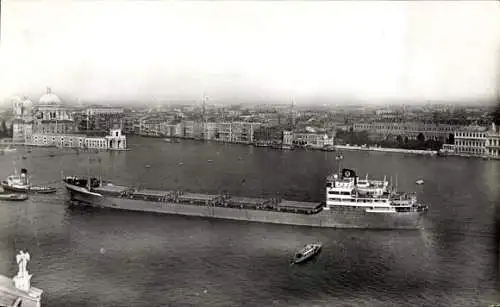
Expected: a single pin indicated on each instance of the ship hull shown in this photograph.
(39, 190)
(353, 218)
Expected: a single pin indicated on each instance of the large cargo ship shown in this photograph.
(350, 203)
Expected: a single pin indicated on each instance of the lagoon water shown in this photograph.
(109, 258)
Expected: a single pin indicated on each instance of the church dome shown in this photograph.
(49, 98)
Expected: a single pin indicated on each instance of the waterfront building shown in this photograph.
(22, 122)
(115, 140)
(268, 135)
(224, 132)
(48, 116)
(209, 131)
(493, 142)
(128, 124)
(150, 127)
(471, 140)
(391, 130)
(172, 130)
(243, 132)
(312, 139)
(287, 139)
(188, 129)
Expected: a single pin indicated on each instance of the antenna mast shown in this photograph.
(396, 182)
(88, 174)
(205, 118)
(339, 158)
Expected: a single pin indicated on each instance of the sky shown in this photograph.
(333, 51)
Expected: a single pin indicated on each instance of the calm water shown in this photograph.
(105, 258)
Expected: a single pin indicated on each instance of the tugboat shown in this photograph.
(307, 252)
(20, 183)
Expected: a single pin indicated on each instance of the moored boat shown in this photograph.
(20, 183)
(307, 252)
(13, 197)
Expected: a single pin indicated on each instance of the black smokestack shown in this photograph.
(348, 173)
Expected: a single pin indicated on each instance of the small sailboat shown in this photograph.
(307, 252)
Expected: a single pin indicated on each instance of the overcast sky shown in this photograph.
(334, 50)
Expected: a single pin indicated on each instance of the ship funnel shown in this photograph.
(348, 173)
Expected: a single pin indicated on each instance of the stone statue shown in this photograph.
(22, 260)
(22, 279)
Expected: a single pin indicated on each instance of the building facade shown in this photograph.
(115, 140)
(49, 116)
(492, 149)
(389, 130)
(312, 139)
(471, 140)
(268, 135)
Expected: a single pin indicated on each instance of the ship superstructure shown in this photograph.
(347, 191)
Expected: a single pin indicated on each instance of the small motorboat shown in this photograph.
(307, 252)
(419, 181)
(13, 197)
(167, 140)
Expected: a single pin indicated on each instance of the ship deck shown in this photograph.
(111, 188)
(200, 198)
(291, 204)
(248, 200)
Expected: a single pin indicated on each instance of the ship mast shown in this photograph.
(339, 158)
(396, 183)
(88, 174)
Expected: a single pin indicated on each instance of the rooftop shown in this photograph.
(8, 292)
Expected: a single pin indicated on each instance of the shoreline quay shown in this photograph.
(382, 149)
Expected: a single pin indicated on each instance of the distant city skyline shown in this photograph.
(309, 52)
